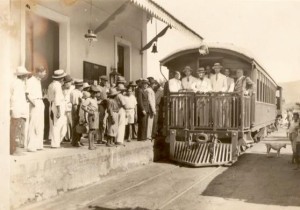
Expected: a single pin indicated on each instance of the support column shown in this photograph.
(5, 61)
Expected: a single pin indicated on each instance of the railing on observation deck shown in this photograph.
(188, 110)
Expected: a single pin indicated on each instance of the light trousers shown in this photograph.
(36, 126)
(122, 124)
(59, 129)
(149, 126)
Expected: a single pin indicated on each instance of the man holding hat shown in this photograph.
(76, 100)
(18, 109)
(36, 122)
(188, 80)
(218, 80)
(57, 104)
(202, 84)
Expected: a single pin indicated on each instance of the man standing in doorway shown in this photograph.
(36, 120)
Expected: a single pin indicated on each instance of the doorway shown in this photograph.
(123, 57)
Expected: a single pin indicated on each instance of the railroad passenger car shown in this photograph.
(215, 128)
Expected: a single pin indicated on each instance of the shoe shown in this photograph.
(100, 142)
(118, 143)
(109, 145)
(76, 145)
(31, 150)
(81, 144)
(128, 140)
(92, 148)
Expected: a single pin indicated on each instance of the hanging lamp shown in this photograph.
(90, 36)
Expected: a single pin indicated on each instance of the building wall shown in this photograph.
(128, 26)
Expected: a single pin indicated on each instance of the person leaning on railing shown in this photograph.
(243, 85)
(175, 83)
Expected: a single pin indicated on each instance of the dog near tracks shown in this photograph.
(275, 146)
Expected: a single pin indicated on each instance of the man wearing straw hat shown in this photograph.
(218, 80)
(57, 104)
(188, 80)
(202, 84)
(18, 110)
(36, 122)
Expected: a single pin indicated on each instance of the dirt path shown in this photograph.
(254, 182)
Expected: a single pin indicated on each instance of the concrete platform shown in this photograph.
(51, 172)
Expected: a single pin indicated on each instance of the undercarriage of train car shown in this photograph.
(207, 129)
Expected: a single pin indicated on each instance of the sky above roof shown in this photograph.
(270, 30)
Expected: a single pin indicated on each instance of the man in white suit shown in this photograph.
(218, 80)
(188, 80)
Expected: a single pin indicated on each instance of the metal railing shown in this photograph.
(188, 110)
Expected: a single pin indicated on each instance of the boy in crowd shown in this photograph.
(131, 113)
(91, 107)
(113, 113)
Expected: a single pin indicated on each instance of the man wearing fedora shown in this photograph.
(36, 120)
(57, 103)
(202, 84)
(143, 110)
(218, 80)
(18, 110)
(76, 99)
(188, 80)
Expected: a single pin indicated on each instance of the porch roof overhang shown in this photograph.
(161, 14)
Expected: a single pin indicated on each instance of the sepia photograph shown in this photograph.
(150, 104)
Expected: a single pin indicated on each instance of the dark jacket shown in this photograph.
(142, 101)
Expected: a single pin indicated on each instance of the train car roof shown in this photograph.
(217, 47)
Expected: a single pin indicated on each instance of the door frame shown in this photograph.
(64, 32)
(127, 56)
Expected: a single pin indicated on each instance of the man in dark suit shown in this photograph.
(143, 110)
(243, 84)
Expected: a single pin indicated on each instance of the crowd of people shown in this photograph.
(211, 80)
(106, 114)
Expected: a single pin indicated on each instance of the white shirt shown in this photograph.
(218, 82)
(230, 84)
(151, 99)
(34, 88)
(67, 95)
(55, 93)
(203, 85)
(130, 102)
(174, 85)
(18, 102)
(188, 81)
(75, 96)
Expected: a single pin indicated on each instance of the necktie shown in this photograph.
(188, 79)
(216, 76)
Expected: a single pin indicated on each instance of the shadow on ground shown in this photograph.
(259, 179)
